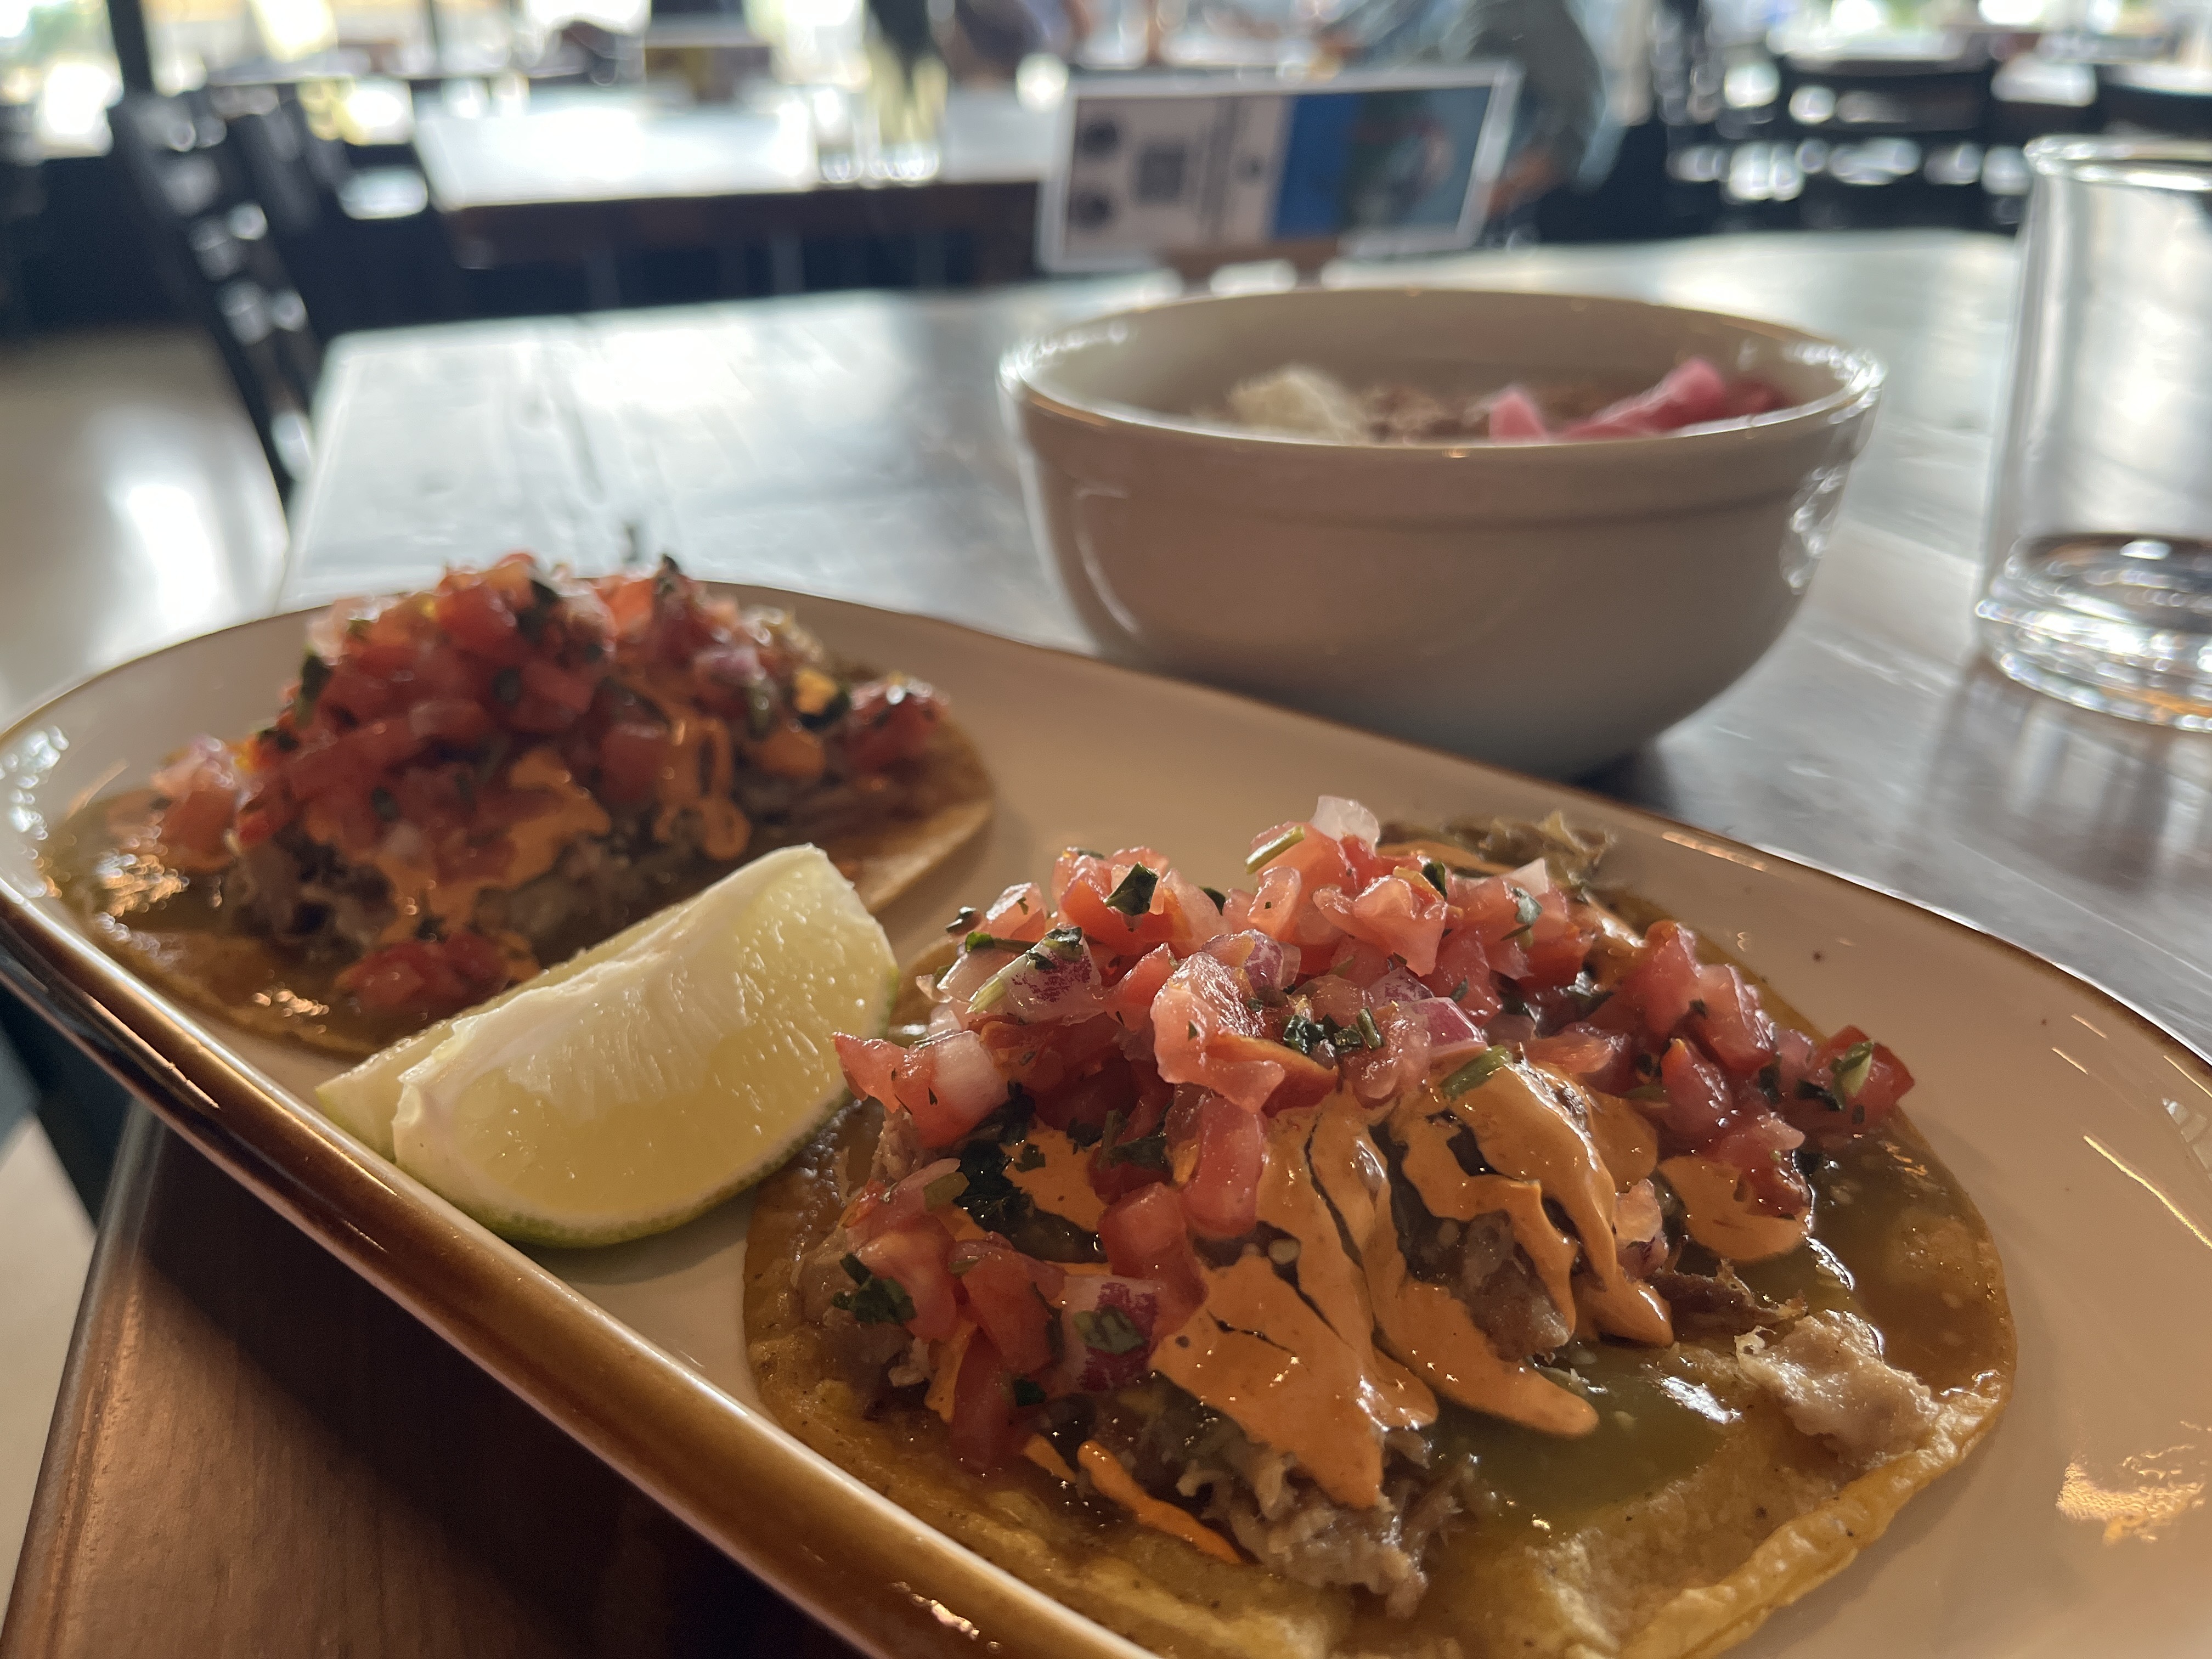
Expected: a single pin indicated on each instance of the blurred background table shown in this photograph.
(255, 1453)
(579, 179)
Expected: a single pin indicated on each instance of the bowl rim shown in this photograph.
(1860, 376)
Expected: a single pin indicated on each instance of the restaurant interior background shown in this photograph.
(362, 164)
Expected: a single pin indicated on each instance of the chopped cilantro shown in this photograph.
(817, 700)
(1477, 1071)
(1031, 1157)
(1301, 1034)
(1368, 1036)
(1275, 849)
(1081, 1135)
(1149, 1151)
(1849, 1069)
(1132, 895)
(1525, 908)
(830, 713)
(1026, 1393)
(873, 1299)
(1109, 1330)
(531, 618)
(990, 1196)
(1809, 1090)
(1058, 948)
(1435, 874)
(314, 675)
(943, 1190)
(1219, 897)
(760, 711)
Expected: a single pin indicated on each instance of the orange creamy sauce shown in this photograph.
(1881, 1210)
(569, 813)
(1326, 1368)
(1299, 1367)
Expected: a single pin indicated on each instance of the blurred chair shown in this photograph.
(359, 241)
(80, 1107)
(2031, 96)
(210, 237)
(1687, 72)
(608, 59)
(22, 198)
(1885, 141)
(2172, 100)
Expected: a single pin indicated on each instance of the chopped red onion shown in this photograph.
(1265, 962)
(966, 1082)
(1335, 815)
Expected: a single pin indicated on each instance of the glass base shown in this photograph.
(2060, 663)
(2122, 624)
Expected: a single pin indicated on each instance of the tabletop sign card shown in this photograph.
(1177, 169)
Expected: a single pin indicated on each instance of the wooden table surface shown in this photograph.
(585, 174)
(255, 1454)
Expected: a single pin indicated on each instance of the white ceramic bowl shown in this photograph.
(1547, 606)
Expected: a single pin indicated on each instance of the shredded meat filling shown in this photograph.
(1721, 1305)
(1311, 1541)
(1481, 1263)
(1501, 1289)
(1261, 1497)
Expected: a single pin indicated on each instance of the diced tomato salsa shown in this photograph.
(1163, 1026)
(425, 730)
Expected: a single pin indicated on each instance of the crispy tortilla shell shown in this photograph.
(945, 799)
(1687, 1568)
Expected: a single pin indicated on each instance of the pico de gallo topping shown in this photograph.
(462, 779)
(1210, 1203)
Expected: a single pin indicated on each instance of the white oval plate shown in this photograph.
(2083, 1132)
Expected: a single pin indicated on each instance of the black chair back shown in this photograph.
(22, 198)
(272, 142)
(1891, 140)
(210, 235)
(2163, 100)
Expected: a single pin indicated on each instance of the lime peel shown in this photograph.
(635, 1091)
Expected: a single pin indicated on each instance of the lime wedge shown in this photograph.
(642, 1088)
(362, 1101)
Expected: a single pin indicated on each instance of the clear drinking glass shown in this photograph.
(2097, 586)
(907, 88)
